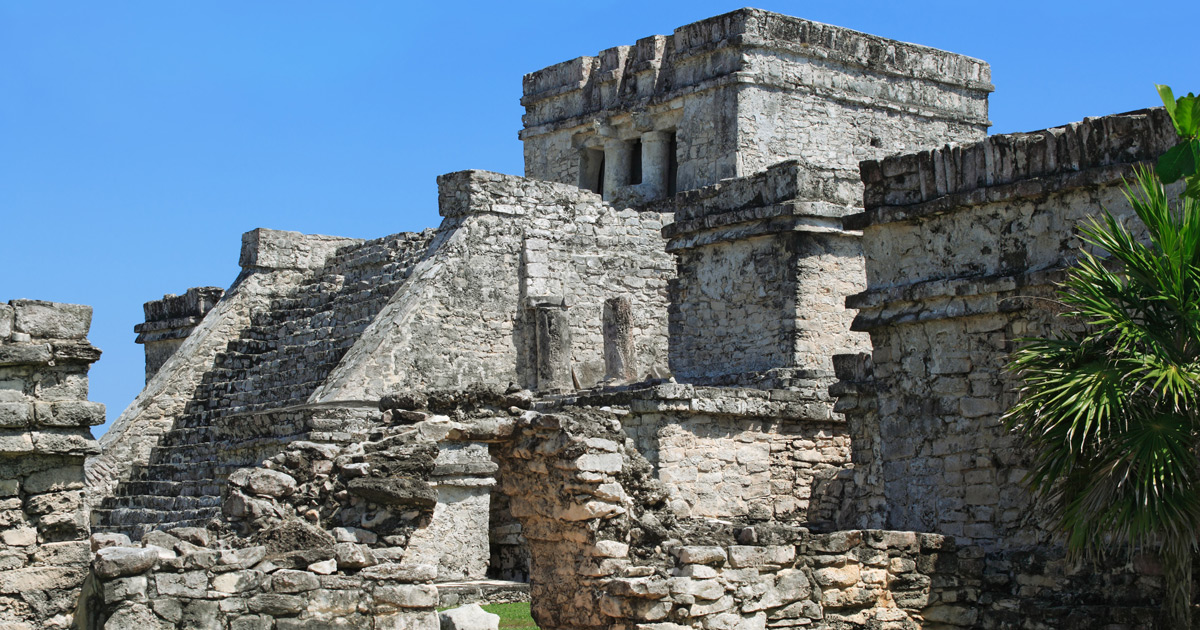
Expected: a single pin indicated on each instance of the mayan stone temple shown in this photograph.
(730, 356)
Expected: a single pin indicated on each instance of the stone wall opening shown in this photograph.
(635, 162)
(591, 170)
(672, 163)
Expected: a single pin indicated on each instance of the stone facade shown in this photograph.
(699, 369)
(763, 268)
(963, 246)
(734, 94)
(186, 585)
(45, 434)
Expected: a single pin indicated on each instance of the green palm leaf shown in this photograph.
(1110, 411)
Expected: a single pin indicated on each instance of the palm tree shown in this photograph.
(1110, 408)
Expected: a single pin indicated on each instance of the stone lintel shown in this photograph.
(788, 196)
(950, 298)
(48, 353)
(177, 328)
(797, 404)
(781, 182)
(744, 224)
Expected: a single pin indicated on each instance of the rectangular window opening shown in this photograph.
(672, 166)
(591, 170)
(635, 162)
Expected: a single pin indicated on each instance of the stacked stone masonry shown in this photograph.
(45, 434)
(963, 247)
(734, 94)
(699, 369)
(170, 320)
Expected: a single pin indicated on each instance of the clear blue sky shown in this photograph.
(138, 140)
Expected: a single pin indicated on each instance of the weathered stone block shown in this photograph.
(70, 413)
(287, 581)
(252, 622)
(55, 480)
(400, 573)
(742, 556)
(132, 615)
(202, 614)
(53, 320)
(646, 587)
(237, 581)
(407, 595)
(277, 604)
(6, 321)
(399, 491)
(469, 617)
(353, 556)
(19, 537)
(700, 589)
(296, 535)
(125, 588)
(113, 562)
(243, 558)
(702, 555)
(190, 584)
(407, 621)
(15, 414)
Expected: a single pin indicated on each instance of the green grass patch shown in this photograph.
(514, 616)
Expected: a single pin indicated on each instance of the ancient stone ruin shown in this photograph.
(730, 356)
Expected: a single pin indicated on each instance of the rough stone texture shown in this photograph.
(201, 588)
(737, 452)
(620, 355)
(170, 320)
(469, 617)
(963, 245)
(763, 270)
(506, 245)
(268, 344)
(45, 434)
(610, 548)
(355, 420)
(739, 92)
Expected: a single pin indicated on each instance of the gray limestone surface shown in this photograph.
(729, 357)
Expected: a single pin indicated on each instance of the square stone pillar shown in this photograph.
(656, 163)
(616, 167)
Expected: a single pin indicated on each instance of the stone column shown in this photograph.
(616, 167)
(656, 160)
(553, 339)
(45, 435)
(620, 360)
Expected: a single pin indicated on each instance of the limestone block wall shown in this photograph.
(753, 454)
(607, 551)
(763, 270)
(963, 245)
(741, 91)
(170, 320)
(190, 586)
(506, 245)
(45, 434)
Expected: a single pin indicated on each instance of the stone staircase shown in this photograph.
(244, 409)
